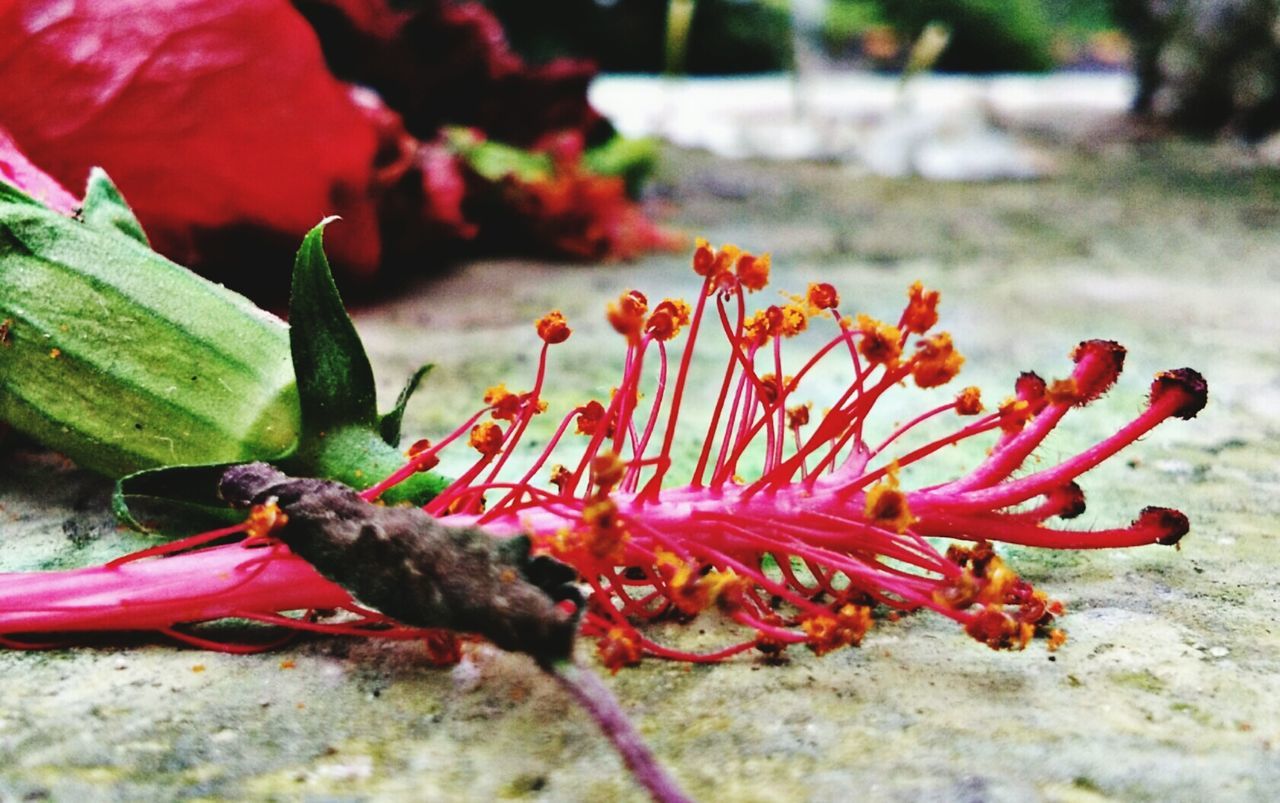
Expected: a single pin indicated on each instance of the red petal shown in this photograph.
(18, 170)
(206, 113)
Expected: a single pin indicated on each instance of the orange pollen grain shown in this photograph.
(827, 632)
(265, 519)
(607, 470)
(922, 309)
(560, 477)
(1056, 639)
(798, 416)
(552, 328)
(770, 388)
(756, 329)
(686, 590)
(887, 504)
(725, 258)
(1063, 391)
(486, 438)
(590, 417)
(1014, 414)
(627, 314)
(704, 258)
(618, 648)
(880, 342)
(822, 295)
(969, 401)
(753, 271)
(421, 447)
(794, 321)
(936, 361)
(505, 404)
(667, 319)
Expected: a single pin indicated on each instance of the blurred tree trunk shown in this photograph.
(1206, 67)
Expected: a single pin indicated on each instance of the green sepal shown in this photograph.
(173, 500)
(172, 370)
(183, 499)
(335, 380)
(389, 426)
(9, 194)
(105, 208)
(359, 457)
(342, 437)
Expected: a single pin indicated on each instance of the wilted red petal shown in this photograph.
(449, 62)
(444, 187)
(572, 212)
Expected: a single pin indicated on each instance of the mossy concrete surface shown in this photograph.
(1167, 688)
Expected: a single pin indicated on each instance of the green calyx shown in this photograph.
(135, 367)
(123, 360)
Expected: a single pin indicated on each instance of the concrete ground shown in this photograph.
(1166, 690)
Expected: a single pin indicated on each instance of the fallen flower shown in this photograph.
(821, 539)
(444, 62)
(225, 125)
(561, 207)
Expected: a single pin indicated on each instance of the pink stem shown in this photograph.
(160, 593)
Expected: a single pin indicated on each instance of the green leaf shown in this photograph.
(105, 208)
(495, 161)
(173, 499)
(632, 159)
(335, 380)
(389, 427)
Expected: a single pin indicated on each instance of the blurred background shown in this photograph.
(442, 130)
(729, 37)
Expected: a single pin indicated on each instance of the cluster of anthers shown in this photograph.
(822, 538)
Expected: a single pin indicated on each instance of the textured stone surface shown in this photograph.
(1166, 690)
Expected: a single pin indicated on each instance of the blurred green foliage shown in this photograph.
(986, 35)
(725, 37)
(1080, 16)
(745, 36)
(848, 20)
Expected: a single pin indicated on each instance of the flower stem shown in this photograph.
(586, 687)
